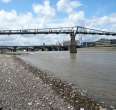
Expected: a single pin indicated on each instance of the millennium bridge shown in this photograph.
(72, 31)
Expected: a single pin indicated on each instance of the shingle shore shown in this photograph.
(24, 87)
(21, 90)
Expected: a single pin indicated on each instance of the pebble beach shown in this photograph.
(23, 87)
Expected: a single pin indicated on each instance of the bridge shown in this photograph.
(72, 31)
(3, 49)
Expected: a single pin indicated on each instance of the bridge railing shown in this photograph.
(88, 31)
(60, 30)
(39, 31)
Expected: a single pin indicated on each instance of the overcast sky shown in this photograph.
(18, 14)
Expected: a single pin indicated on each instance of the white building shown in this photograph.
(67, 43)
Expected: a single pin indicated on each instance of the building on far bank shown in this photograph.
(88, 44)
(100, 43)
(67, 43)
(103, 43)
(106, 43)
(113, 42)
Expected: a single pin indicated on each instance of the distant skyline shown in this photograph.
(15, 14)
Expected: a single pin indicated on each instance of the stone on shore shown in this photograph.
(21, 90)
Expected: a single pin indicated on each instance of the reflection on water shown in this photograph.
(73, 56)
(90, 69)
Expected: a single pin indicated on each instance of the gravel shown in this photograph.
(24, 87)
(21, 90)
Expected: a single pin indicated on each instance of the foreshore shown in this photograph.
(24, 87)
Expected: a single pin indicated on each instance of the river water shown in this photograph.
(91, 69)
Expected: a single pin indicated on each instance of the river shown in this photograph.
(91, 69)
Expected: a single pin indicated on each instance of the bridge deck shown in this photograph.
(61, 30)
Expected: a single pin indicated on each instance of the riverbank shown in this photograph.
(24, 87)
(101, 49)
(21, 90)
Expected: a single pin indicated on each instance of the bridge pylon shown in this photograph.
(73, 48)
(15, 49)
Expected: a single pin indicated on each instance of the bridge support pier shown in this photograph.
(15, 49)
(73, 48)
